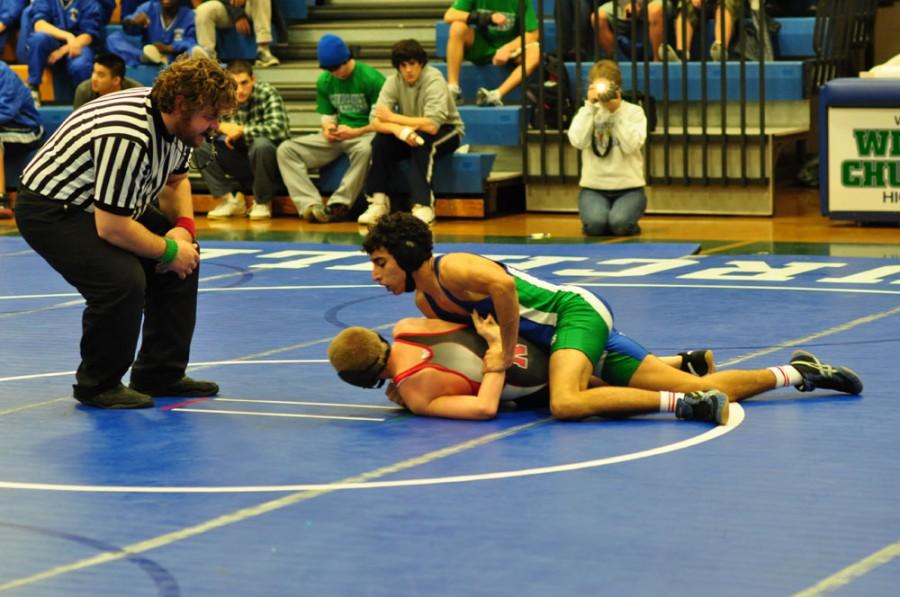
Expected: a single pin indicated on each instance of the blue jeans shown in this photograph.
(613, 213)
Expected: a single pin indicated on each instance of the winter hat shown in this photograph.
(332, 51)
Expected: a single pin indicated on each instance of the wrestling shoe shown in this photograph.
(698, 362)
(709, 405)
(333, 212)
(118, 397)
(817, 374)
(184, 387)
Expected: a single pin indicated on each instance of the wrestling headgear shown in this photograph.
(359, 355)
(406, 237)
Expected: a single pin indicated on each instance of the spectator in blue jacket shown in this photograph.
(63, 35)
(10, 11)
(19, 123)
(165, 29)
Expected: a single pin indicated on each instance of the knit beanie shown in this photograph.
(332, 51)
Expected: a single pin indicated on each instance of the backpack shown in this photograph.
(558, 108)
(751, 44)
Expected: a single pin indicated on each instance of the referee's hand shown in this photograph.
(186, 260)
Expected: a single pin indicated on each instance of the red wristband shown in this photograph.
(187, 224)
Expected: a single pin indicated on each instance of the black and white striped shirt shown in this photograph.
(113, 153)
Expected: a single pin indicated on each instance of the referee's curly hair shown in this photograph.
(200, 81)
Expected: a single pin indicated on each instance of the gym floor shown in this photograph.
(291, 482)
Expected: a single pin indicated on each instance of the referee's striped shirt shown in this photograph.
(113, 153)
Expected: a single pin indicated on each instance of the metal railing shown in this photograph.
(841, 27)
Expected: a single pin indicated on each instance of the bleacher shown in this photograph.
(494, 136)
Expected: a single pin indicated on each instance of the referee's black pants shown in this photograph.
(388, 151)
(121, 291)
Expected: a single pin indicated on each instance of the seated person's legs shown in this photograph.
(260, 12)
(602, 24)
(210, 16)
(295, 158)
(266, 177)
(460, 40)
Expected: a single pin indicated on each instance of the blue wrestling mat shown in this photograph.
(294, 483)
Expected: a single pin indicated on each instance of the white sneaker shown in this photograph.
(265, 59)
(198, 52)
(152, 55)
(231, 206)
(379, 206)
(424, 213)
(488, 97)
(456, 93)
(715, 51)
(260, 211)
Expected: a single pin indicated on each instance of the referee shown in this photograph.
(107, 203)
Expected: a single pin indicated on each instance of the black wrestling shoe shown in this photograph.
(698, 362)
(184, 387)
(117, 397)
(817, 374)
(710, 405)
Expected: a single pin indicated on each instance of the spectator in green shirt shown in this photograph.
(487, 31)
(245, 148)
(345, 93)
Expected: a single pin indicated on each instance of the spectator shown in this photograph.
(108, 76)
(246, 146)
(623, 14)
(492, 38)
(165, 29)
(246, 16)
(415, 117)
(62, 35)
(689, 17)
(10, 11)
(610, 133)
(106, 9)
(20, 123)
(573, 21)
(345, 94)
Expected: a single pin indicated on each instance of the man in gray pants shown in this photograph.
(345, 93)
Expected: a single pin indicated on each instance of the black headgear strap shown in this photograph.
(369, 376)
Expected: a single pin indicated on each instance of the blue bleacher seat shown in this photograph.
(491, 126)
(454, 174)
(17, 156)
(231, 45)
(784, 79)
(295, 10)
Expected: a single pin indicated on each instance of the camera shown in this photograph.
(606, 90)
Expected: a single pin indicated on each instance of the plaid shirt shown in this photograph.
(263, 115)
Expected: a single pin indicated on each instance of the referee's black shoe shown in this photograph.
(117, 397)
(184, 387)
